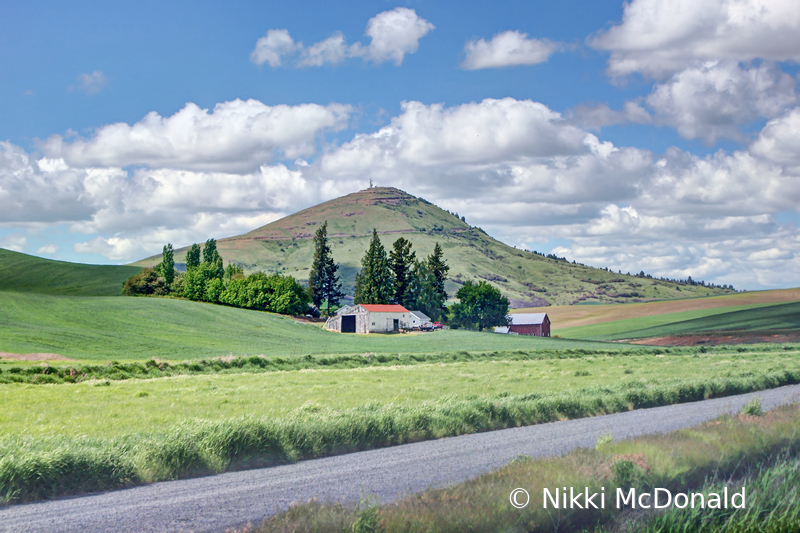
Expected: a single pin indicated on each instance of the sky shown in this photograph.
(655, 135)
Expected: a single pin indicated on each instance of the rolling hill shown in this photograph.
(527, 279)
(26, 273)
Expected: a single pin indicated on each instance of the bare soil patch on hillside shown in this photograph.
(712, 339)
(34, 356)
(567, 316)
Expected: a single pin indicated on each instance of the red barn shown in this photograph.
(537, 324)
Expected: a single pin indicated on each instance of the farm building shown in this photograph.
(369, 318)
(536, 324)
(419, 320)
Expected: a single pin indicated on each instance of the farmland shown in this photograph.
(765, 318)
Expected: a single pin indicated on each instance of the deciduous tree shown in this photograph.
(480, 305)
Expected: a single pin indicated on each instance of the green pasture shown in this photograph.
(126, 329)
(26, 273)
(741, 318)
(113, 408)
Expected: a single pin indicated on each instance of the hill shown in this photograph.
(527, 279)
(26, 273)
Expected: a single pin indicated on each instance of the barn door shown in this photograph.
(348, 323)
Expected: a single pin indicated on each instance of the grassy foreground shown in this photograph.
(115, 408)
(43, 466)
(759, 452)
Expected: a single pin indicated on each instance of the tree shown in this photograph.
(208, 251)
(374, 281)
(193, 257)
(145, 283)
(323, 282)
(422, 294)
(233, 271)
(401, 263)
(439, 269)
(479, 305)
(167, 267)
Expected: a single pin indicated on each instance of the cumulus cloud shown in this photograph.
(507, 49)
(709, 101)
(332, 50)
(712, 100)
(14, 241)
(393, 34)
(237, 136)
(779, 141)
(90, 84)
(657, 38)
(48, 249)
(599, 116)
(272, 47)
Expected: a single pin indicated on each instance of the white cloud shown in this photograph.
(490, 131)
(658, 37)
(48, 249)
(712, 100)
(506, 49)
(14, 241)
(90, 83)
(779, 141)
(709, 101)
(272, 47)
(332, 50)
(236, 136)
(599, 116)
(393, 34)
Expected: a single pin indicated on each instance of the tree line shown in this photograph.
(207, 280)
(397, 277)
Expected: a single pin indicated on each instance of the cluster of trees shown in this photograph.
(480, 306)
(209, 281)
(400, 278)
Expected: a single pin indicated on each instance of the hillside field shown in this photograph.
(763, 319)
(527, 279)
(26, 273)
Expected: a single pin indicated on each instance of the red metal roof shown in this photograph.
(384, 308)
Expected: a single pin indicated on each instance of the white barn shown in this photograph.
(370, 318)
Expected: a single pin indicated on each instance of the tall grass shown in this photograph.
(758, 451)
(35, 468)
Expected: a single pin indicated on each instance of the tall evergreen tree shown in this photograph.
(422, 294)
(323, 282)
(168, 264)
(401, 263)
(208, 251)
(439, 269)
(374, 281)
(193, 257)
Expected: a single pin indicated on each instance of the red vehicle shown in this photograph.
(437, 325)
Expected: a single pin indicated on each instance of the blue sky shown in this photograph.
(657, 136)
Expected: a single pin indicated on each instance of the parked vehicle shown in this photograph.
(437, 325)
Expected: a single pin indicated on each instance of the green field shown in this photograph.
(109, 409)
(126, 329)
(26, 273)
(778, 318)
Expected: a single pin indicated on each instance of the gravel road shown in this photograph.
(215, 503)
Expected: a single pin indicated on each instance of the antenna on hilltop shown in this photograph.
(370, 183)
